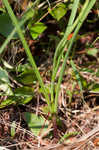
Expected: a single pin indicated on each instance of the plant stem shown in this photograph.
(23, 20)
(54, 122)
(61, 45)
(87, 6)
(27, 50)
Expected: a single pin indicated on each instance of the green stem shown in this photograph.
(23, 20)
(27, 50)
(61, 46)
(69, 29)
(88, 5)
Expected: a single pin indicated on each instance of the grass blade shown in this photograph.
(77, 77)
(27, 50)
(61, 45)
(23, 20)
(88, 5)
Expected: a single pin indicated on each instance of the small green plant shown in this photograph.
(74, 25)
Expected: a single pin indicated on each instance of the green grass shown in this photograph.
(74, 25)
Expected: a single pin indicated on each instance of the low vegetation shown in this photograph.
(49, 86)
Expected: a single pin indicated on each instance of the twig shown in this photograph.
(85, 138)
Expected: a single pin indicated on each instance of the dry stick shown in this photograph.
(17, 126)
(85, 138)
(89, 134)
